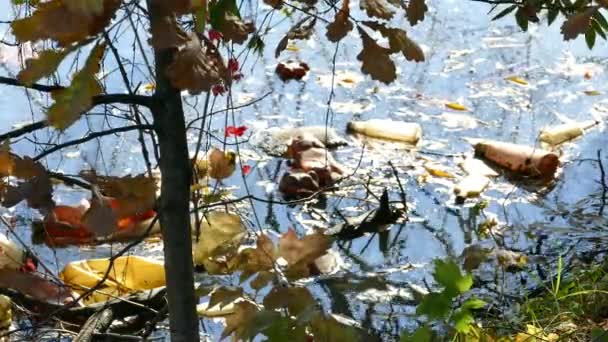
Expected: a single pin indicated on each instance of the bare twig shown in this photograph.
(602, 181)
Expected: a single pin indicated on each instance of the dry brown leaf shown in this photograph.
(234, 29)
(217, 165)
(133, 194)
(415, 11)
(341, 25)
(276, 4)
(398, 41)
(241, 321)
(166, 33)
(65, 21)
(295, 299)
(100, 218)
(258, 259)
(377, 8)
(6, 161)
(376, 60)
(197, 67)
(225, 295)
(577, 24)
(302, 253)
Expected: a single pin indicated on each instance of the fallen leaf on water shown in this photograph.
(437, 170)
(456, 106)
(516, 79)
(592, 92)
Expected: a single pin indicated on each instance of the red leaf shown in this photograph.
(246, 169)
(233, 65)
(236, 131)
(215, 35)
(218, 89)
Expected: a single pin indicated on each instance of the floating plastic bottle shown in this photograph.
(522, 159)
(562, 133)
(470, 186)
(408, 132)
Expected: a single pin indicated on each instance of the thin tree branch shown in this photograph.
(132, 99)
(90, 137)
(24, 130)
(603, 182)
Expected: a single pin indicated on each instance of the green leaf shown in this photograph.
(552, 15)
(600, 19)
(462, 321)
(599, 335)
(504, 12)
(522, 19)
(256, 44)
(435, 305)
(598, 29)
(422, 334)
(219, 10)
(473, 304)
(447, 273)
(590, 37)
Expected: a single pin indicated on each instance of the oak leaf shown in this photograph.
(415, 11)
(197, 67)
(376, 60)
(377, 8)
(42, 66)
(577, 24)
(398, 41)
(341, 25)
(76, 99)
(65, 21)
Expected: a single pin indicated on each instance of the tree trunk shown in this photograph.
(174, 214)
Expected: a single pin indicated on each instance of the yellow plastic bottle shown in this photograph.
(408, 132)
(565, 132)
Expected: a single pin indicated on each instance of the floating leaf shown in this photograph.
(291, 70)
(375, 60)
(65, 21)
(415, 11)
(398, 41)
(577, 23)
(42, 66)
(341, 25)
(437, 170)
(456, 106)
(592, 93)
(377, 8)
(76, 99)
(516, 79)
(197, 67)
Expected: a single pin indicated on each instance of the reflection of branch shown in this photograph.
(133, 99)
(90, 137)
(603, 181)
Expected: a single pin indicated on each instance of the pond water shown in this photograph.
(468, 58)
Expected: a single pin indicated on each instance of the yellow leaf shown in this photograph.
(44, 65)
(76, 99)
(455, 106)
(592, 92)
(220, 235)
(292, 48)
(150, 87)
(437, 170)
(517, 80)
(217, 165)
